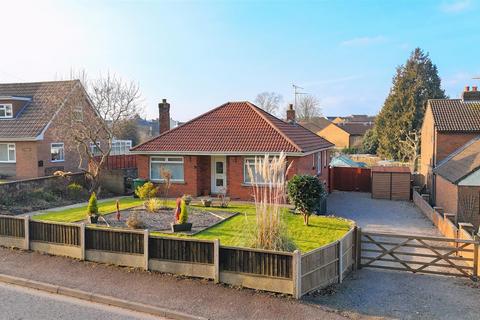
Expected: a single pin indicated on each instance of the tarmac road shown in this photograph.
(23, 303)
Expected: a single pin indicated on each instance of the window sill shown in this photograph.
(172, 182)
(57, 161)
(8, 161)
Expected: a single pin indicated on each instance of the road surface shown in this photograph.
(29, 304)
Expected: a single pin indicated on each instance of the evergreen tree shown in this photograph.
(370, 141)
(404, 108)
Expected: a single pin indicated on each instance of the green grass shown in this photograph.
(322, 230)
(80, 213)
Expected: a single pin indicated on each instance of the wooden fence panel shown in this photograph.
(348, 252)
(114, 241)
(258, 262)
(181, 250)
(319, 268)
(12, 227)
(55, 233)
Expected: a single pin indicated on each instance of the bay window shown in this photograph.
(7, 152)
(173, 164)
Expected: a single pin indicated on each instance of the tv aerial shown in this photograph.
(296, 93)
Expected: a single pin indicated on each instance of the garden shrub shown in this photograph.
(183, 212)
(305, 193)
(152, 205)
(147, 191)
(75, 191)
(92, 208)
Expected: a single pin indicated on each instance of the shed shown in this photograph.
(391, 183)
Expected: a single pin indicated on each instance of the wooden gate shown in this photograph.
(350, 179)
(419, 254)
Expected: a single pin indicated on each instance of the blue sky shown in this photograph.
(200, 54)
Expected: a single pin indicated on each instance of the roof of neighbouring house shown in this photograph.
(44, 99)
(345, 161)
(456, 115)
(461, 163)
(235, 127)
(315, 124)
(357, 129)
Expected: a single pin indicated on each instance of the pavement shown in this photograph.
(28, 304)
(196, 297)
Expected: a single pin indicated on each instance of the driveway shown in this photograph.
(391, 294)
(380, 215)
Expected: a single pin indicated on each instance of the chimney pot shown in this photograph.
(164, 116)
(290, 114)
(474, 88)
(467, 88)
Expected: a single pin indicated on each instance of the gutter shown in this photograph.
(226, 153)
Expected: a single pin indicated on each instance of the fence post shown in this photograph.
(27, 233)
(216, 260)
(82, 241)
(358, 244)
(340, 261)
(297, 274)
(475, 259)
(146, 236)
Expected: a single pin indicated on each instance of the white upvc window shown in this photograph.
(7, 152)
(250, 162)
(57, 152)
(319, 162)
(120, 147)
(173, 164)
(78, 113)
(6, 111)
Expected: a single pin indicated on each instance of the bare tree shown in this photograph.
(92, 132)
(411, 148)
(269, 101)
(307, 108)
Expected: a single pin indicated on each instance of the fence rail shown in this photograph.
(114, 241)
(12, 226)
(181, 250)
(55, 233)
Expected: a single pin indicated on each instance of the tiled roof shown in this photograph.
(316, 124)
(236, 127)
(460, 163)
(456, 115)
(355, 128)
(46, 98)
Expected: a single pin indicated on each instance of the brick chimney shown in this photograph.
(290, 114)
(164, 116)
(471, 95)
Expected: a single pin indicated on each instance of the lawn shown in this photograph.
(322, 230)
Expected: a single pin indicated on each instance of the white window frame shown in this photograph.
(10, 146)
(167, 160)
(325, 162)
(319, 162)
(78, 113)
(51, 149)
(245, 172)
(8, 108)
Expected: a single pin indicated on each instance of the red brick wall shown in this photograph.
(449, 142)
(26, 160)
(446, 195)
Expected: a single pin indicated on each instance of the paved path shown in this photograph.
(380, 215)
(26, 304)
(191, 296)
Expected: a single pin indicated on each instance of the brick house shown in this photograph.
(457, 183)
(447, 126)
(345, 134)
(31, 143)
(212, 151)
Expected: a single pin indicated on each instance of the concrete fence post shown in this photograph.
(27, 233)
(82, 241)
(358, 244)
(146, 236)
(216, 260)
(340, 262)
(297, 274)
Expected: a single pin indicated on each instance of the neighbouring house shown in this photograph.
(315, 124)
(213, 151)
(345, 134)
(457, 183)
(342, 160)
(448, 125)
(357, 118)
(147, 129)
(30, 143)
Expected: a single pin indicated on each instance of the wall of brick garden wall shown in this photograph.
(446, 194)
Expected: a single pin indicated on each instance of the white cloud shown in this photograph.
(364, 41)
(455, 6)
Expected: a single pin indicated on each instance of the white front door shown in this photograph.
(219, 174)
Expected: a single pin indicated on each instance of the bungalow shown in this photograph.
(345, 134)
(212, 152)
(457, 183)
(32, 143)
